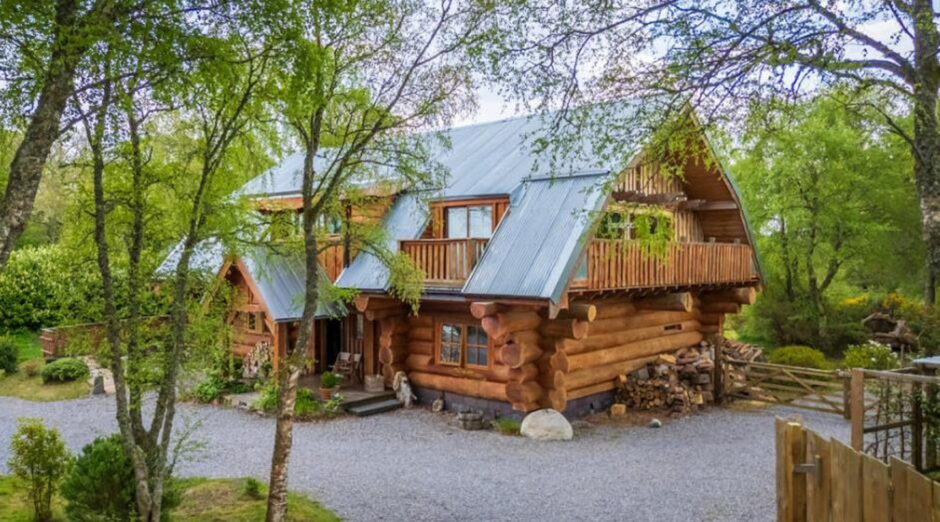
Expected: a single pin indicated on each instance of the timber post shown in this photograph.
(858, 408)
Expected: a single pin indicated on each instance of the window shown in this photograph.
(332, 225)
(618, 225)
(463, 345)
(252, 321)
(473, 221)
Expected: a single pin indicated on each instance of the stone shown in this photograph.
(655, 423)
(437, 406)
(97, 386)
(618, 410)
(547, 424)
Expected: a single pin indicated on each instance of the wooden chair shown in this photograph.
(347, 364)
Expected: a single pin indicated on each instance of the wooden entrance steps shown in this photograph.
(373, 405)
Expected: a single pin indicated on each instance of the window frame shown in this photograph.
(464, 326)
(466, 210)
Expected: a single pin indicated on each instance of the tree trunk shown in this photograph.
(43, 128)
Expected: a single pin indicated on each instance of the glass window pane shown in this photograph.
(471, 355)
(481, 356)
(481, 221)
(457, 222)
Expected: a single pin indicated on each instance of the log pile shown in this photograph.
(734, 372)
(680, 382)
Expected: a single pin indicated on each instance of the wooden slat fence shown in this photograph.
(446, 262)
(618, 264)
(807, 388)
(821, 479)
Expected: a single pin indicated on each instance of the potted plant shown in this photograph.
(329, 382)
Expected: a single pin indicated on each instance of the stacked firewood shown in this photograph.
(734, 370)
(680, 382)
(739, 351)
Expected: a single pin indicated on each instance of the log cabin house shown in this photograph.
(527, 304)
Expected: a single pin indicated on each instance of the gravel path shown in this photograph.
(413, 465)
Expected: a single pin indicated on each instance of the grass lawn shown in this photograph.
(203, 500)
(23, 386)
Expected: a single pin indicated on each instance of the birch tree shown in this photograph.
(362, 78)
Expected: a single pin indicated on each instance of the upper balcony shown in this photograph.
(446, 262)
(624, 265)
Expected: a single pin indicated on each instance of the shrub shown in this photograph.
(799, 356)
(64, 370)
(306, 404)
(507, 426)
(8, 355)
(101, 486)
(252, 489)
(330, 380)
(32, 368)
(871, 356)
(209, 389)
(40, 459)
(267, 398)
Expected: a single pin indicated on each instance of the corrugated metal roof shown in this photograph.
(280, 278)
(208, 256)
(405, 220)
(535, 247)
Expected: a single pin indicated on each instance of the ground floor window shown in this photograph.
(461, 344)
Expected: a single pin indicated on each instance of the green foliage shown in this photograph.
(330, 380)
(100, 485)
(209, 389)
(252, 488)
(64, 370)
(507, 426)
(803, 356)
(267, 398)
(307, 405)
(9, 355)
(871, 356)
(32, 367)
(39, 459)
(923, 321)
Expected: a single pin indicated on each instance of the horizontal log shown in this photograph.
(471, 387)
(525, 407)
(417, 361)
(721, 307)
(421, 347)
(422, 333)
(550, 344)
(415, 321)
(480, 310)
(515, 355)
(523, 391)
(581, 311)
(611, 310)
(389, 356)
(601, 341)
(678, 301)
(710, 329)
(502, 324)
(393, 341)
(384, 313)
(745, 295)
(526, 372)
(598, 374)
(632, 350)
(710, 318)
(556, 399)
(565, 328)
(587, 391)
(640, 320)
(523, 337)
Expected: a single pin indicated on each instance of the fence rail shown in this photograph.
(617, 264)
(823, 479)
(818, 390)
(446, 262)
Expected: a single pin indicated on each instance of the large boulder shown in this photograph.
(546, 424)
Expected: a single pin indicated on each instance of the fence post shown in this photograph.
(846, 396)
(917, 428)
(858, 408)
(791, 486)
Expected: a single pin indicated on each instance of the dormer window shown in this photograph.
(470, 221)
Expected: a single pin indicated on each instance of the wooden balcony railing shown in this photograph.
(445, 262)
(612, 264)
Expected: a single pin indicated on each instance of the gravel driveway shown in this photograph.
(413, 465)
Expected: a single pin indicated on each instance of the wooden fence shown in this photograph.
(819, 479)
(895, 415)
(614, 264)
(807, 388)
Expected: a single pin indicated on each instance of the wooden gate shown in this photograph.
(819, 390)
(819, 479)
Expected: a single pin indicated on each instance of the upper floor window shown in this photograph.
(628, 225)
(470, 221)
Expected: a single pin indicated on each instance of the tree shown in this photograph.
(828, 196)
(45, 44)
(716, 54)
(39, 458)
(362, 77)
(200, 80)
